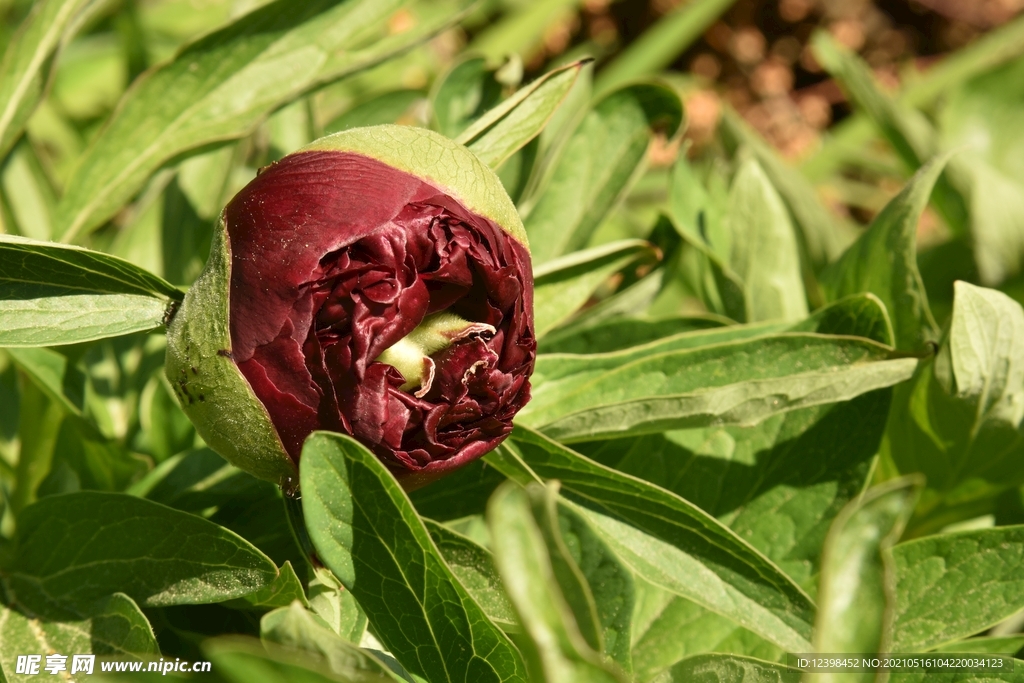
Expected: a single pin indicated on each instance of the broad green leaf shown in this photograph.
(621, 333)
(563, 285)
(463, 95)
(675, 545)
(855, 612)
(741, 382)
(764, 252)
(715, 668)
(823, 239)
(883, 261)
(25, 62)
(474, 568)
(597, 166)
(777, 484)
(282, 591)
(88, 545)
(244, 660)
(221, 86)
(597, 587)
(680, 628)
(113, 626)
(659, 45)
(952, 586)
(70, 319)
(557, 652)
(330, 601)
(499, 133)
(960, 421)
(297, 628)
(366, 531)
(31, 269)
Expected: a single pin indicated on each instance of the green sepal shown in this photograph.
(209, 385)
(438, 160)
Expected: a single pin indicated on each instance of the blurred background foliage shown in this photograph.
(821, 110)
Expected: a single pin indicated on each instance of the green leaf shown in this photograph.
(243, 660)
(297, 628)
(715, 668)
(777, 484)
(88, 545)
(563, 285)
(675, 545)
(70, 319)
(465, 492)
(857, 576)
(883, 261)
(743, 382)
(960, 421)
(680, 628)
(621, 333)
(330, 601)
(597, 166)
(282, 591)
(474, 567)
(31, 269)
(221, 86)
(499, 133)
(596, 585)
(997, 645)
(764, 252)
(953, 586)
(463, 95)
(821, 237)
(659, 45)
(26, 61)
(113, 626)
(557, 651)
(366, 530)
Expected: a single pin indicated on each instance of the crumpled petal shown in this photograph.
(335, 258)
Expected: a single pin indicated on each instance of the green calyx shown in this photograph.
(436, 159)
(411, 355)
(209, 386)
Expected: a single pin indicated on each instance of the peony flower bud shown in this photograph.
(376, 283)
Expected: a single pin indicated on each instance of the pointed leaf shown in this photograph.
(883, 261)
(599, 163)
(857, 577)
(952, 586)
(675, 545)
(558, 652)
(367, 532)
(506, 128)
(764, 249)
(743, 382)
(562, 286)
(87, 545)
(25, 61)
(221, 86)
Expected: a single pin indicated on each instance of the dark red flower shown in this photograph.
(369, 299)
